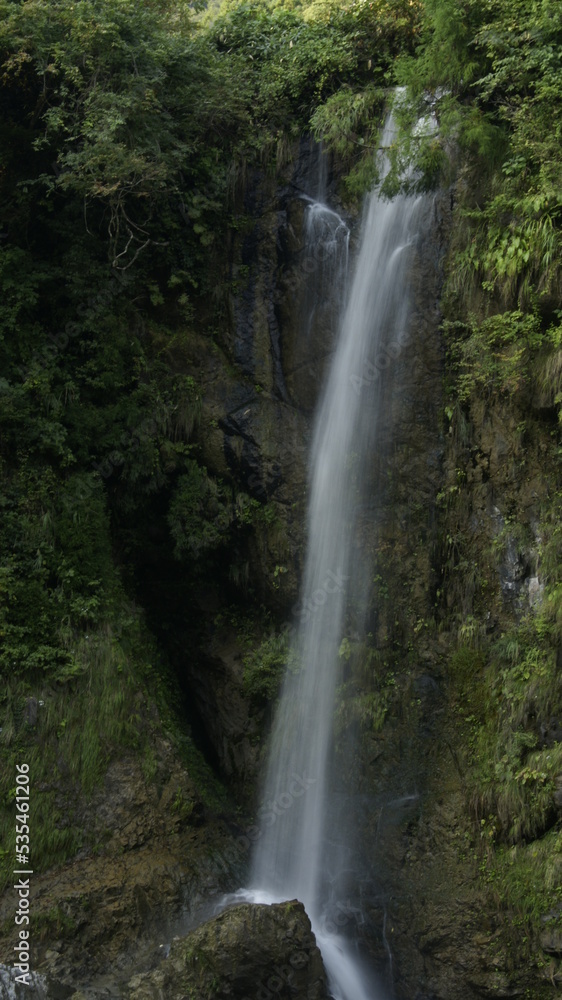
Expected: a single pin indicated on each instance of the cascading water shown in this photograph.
(327, 245)
(302, 847)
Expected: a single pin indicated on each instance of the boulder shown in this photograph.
(248, 952)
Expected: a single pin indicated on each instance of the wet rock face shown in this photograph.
(423, 895)
(277, 273)
(108, 913)
(248, 952)
(218, 687)
(100, 919)
(260, 388)
(259, 393)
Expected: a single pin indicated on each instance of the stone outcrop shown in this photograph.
(158, 856)
(248, 952)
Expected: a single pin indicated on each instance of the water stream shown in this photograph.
(304, 845)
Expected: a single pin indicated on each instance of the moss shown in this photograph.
(265, 666)
(526, 882)
(368, 690)
(55, 923)
(82, 725)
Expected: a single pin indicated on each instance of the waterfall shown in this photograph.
(327, 246)
(301, 843)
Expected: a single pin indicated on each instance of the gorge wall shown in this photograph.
(461, 487)
(463, 490)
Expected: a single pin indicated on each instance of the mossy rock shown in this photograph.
(248, 951)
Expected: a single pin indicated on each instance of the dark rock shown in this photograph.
(513, 570)
(248, 951)
(218, 690)
(550, 732)
(551, 941)
(426, 686)
(558, 792)
(30, 712)
(58, 991)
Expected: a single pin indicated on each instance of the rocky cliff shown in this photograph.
(462, 493)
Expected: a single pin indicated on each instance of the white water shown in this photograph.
(300, 847)
(35, 987)
(327, 247)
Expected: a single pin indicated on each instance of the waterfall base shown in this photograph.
(346, 978)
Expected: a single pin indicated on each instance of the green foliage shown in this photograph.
(501, 119)
(84, 713)
(465, 668)
(296, 57)
(514, 777)
(529, 879)
(55, 574)
(265, 666)
(126, 127)
(503, 341)
(366, 695)
(205, 513)
(302, 52)
(85, 718)
(507, 695)
(367, 710)
(105, 90)
(200, 512)
(289, 57)
(348, 123)
(495, 72)
(130, 129)
(446, 56)
(182, 806)
(494, 356)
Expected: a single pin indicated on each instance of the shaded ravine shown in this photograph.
(300, 852)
